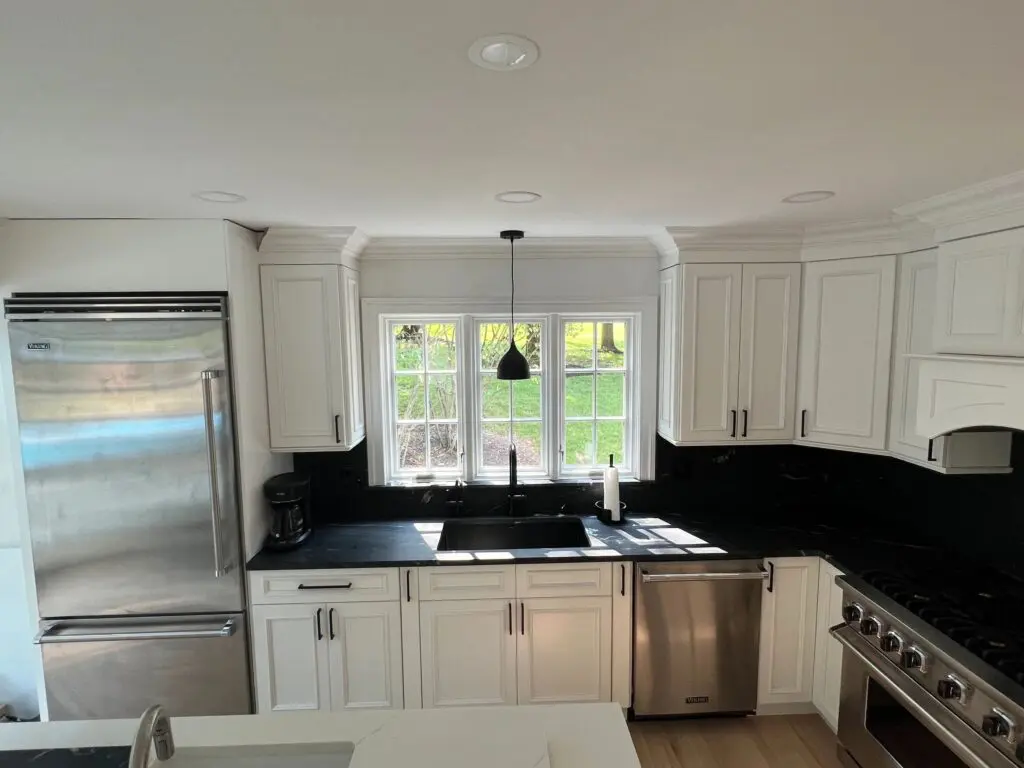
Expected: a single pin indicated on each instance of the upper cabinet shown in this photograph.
(312, 339)
(980, 295)
(845, 345)
(728, 352)
(960, 452)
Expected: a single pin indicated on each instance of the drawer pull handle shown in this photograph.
(326, 586)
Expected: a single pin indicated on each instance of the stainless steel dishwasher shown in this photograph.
(696, 638)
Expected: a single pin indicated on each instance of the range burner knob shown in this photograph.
(852, 612)
(950, 689)
(870, 626)
(911, 658)
(890, 642)
(997, 725)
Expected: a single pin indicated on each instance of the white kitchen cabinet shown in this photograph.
(728, 347)
(769, 327)
(845, 346)
(788, 621)
(326, 657)
(290, 659)
(980, 309)
(312, 344)
(468, 652)
(828, 653)
(974, 452)
(365, 653)
(564, 650)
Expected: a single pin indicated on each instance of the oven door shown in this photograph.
(888, 720)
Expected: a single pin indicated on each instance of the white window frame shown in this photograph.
(642, 315)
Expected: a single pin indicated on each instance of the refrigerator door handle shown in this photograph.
(207, 377)
(221, 628)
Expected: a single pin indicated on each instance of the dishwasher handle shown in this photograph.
(648, 578)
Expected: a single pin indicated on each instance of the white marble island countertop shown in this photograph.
(591, 735)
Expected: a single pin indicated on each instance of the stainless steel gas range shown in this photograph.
(932, 673)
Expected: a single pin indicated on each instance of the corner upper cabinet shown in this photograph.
(312, 341)
(845, 346)
(728, 352)
(980, 309)
(958, 453)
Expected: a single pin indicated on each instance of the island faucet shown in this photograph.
(513, 481)
(154, 728)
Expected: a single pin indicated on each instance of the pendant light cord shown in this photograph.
(512, 245)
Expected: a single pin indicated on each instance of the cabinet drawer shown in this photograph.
(467, 582)
(323, 586)
(564, 580)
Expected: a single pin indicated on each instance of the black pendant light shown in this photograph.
(513, 366)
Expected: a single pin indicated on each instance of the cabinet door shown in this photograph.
(788, 619)
(845, 343)
(352, 340)
(915, 320)
(303, 343)
(468, 652)
(668, 354)
(828, 653)
(365, 642)
(768, 346)
(710, 352)
(290, 658)
(980, 306)
(564, 650)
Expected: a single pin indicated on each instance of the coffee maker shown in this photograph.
(288, 497)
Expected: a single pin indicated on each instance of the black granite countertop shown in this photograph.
(91, 757)
(641, 538)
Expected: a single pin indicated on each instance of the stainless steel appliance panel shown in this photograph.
(110, 668)
(696, 639)
(888, 720)
(129, 465)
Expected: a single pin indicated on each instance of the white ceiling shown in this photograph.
(638, 114)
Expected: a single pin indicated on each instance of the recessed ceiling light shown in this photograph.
(811, 196)
(504, 52)
(517, 196)
(217, 196)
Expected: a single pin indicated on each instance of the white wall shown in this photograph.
(119, 255)
(537, 277)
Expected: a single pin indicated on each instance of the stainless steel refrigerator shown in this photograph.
(125, 420)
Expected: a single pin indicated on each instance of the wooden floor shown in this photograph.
(785, 741)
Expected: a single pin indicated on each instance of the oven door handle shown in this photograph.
(898, 689)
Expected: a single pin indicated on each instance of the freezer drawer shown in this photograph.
(696, 637)
(110, 668)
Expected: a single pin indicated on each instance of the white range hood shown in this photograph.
(958, 392)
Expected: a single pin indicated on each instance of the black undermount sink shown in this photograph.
(485, 533)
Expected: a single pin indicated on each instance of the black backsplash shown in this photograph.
(786, 485)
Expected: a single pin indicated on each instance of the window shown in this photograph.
(510, 411)
(440, 413)
(596, 395)
(425, 413)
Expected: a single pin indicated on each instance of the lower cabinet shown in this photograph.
(332, 656)
(468, 652)
(564, 650)
(828, 653)
(534, 651)
(788, 620)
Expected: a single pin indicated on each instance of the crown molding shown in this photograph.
(989, 206)
(320, 245)
(724, 244)
(412, 248)
(866, 237)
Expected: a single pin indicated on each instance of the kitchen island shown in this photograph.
(592, 735)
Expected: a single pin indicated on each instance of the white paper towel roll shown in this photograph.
(611, 489)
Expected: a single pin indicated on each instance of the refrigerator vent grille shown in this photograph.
(39, 306)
